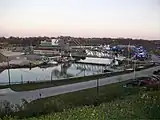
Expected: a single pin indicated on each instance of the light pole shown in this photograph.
(134, 70)
(97, 87)
(51, 76)
(21, 78)
(128, 52)
(9, 77)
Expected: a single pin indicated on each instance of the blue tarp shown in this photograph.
(140, 52)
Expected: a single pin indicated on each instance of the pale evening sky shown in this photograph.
(85, 18)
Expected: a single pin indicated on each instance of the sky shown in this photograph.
(81, 18)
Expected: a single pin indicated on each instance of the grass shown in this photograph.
(46, 84)
(143, 105)
(73, 100)
(156, 52)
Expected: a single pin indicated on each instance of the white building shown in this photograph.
(50, 42)
(46, 43)
(54, 42)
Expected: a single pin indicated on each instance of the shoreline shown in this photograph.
(29, 65)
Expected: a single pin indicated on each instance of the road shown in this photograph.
(15, 97)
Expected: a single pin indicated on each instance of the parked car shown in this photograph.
(136, 82)
(146, 81)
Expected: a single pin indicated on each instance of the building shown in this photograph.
(48, 47)
(49, 43)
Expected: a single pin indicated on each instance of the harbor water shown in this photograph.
(49, 73)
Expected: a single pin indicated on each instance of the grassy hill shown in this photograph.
(144, 105)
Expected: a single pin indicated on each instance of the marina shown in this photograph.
(56, 59)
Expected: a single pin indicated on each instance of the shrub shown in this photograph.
(6, 108)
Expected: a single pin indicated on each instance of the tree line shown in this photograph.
(35, 41)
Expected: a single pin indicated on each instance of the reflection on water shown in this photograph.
(62, 73)
(50, 73)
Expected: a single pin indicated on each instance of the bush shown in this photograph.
(38, 108)
(6, 108)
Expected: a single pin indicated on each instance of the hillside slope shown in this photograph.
(145, 105)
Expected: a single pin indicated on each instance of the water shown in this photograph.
(54, 73)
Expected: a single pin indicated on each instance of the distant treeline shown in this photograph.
(35, 41)
(18, 41)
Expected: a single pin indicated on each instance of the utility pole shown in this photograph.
(128, 52)
(21, 78)
(9, 77)
(134, 70)
(51, 76)
(97, 87)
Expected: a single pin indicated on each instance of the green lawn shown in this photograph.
(88, 97)
(141, 106)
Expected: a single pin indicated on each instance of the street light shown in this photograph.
(9, 78)
(51, 76)
(21, 78)
(128, 52)
(134, 70)
(97, 87)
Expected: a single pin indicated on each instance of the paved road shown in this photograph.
(16, 97)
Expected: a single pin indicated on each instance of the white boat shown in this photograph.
(52, 62)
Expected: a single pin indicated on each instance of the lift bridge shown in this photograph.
(92, 53)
